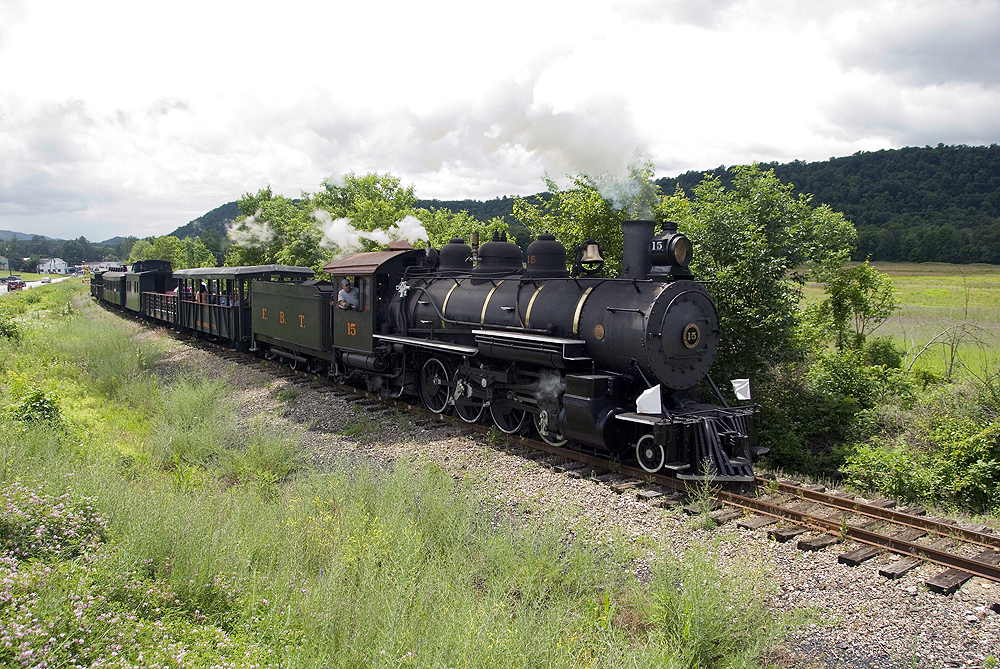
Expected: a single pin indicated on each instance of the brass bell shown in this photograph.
(592, 254)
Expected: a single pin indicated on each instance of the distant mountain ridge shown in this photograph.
(7, 235)
(216, 220)
(930, 204)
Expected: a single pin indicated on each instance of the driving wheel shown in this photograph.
(434, 388)
(508, 419)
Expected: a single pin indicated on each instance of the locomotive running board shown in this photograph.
(444, 346)
(559, 352)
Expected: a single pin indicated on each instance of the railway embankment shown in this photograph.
(207, 541)
(849, 616)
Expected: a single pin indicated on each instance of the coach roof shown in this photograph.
(256, 271)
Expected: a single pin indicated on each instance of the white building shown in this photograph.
(52, 266)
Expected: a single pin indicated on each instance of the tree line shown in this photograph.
(930, 204)
(24, 254)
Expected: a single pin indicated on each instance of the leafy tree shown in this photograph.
(124, 248)
(39, 246)
(860, 300)
(593, 207)
(13, 255)
(166, 248)
(575, 215)
(141, 250)
(72, 252)
(442, 225)
(216, 243)
(749, 241)
(274, 230)
(194, 253)
(371, 201)
(88, 250)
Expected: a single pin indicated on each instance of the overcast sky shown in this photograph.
(120, 117)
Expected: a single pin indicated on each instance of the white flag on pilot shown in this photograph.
(742, 388)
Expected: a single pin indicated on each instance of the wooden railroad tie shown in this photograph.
(818, 543)
(950, 580)
(756, 522)
(695, 509)
(725, 515)
(786, 532)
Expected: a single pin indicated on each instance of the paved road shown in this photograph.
(32, 284)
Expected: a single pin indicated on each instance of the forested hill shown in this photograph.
(918, 204)
(215, 221)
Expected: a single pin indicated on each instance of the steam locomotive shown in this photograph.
(607, 365)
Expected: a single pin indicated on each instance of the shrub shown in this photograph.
(195, 424)
(109, 352)
(811, 413)
(10, 327)
(947, 451)
(882, 352)
(36, 404)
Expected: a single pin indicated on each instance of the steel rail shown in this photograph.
(930, 553)
(887, 514)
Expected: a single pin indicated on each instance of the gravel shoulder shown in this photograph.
(854, 618)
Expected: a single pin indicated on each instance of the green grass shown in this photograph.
(175, 536)
(957, 304)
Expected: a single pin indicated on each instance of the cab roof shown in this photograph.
(370, 262)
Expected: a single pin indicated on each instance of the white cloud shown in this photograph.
(127, 118)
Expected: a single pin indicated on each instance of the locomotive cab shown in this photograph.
(353, 325)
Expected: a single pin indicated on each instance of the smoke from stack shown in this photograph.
(342, 237)
(250, 231)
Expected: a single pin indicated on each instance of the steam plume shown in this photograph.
(250, 231)
(341, 236)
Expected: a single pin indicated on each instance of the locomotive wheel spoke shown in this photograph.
(649, 454)
(434, 385)
(508, 419)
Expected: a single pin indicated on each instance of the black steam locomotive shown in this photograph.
(606, 365)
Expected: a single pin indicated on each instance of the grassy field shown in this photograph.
(954, 308)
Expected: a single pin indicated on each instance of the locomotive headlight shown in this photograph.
(681, 250)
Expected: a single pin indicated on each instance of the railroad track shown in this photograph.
(817, 519)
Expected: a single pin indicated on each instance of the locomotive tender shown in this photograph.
(609, 365)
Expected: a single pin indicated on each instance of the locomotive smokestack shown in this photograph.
(636, 236)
